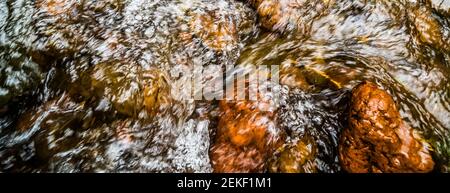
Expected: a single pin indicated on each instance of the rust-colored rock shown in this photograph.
(243, 124)
(378, 140)
(228, 158)
(246, 137)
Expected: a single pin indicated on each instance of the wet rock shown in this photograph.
(250, 126)
(19, 75)
(67, 136)
(308, 79)
(289, 15)
(227, 158)
(378, 140)
(67, 27)
(54, 7)
(158, 33)
(296, 157)
(429, 30)
(245, 139)
(135, 146)
(313, 119)
(247, 135)
(294, 78)
(216, 31)
(47, 130)
(126, 88)
(269, 12)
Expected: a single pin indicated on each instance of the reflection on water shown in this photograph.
(85, 85)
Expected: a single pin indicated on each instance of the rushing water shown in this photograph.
(85, 84)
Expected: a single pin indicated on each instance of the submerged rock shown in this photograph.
(289, 15)
(42, 132)
(67, 136)
(227, 158)
(216, 31)
(314, 119)
(428, 28)
(246, 138)
(296, 157)
(135, 146)
(126, 88)
(378, 140)
(19, 76)
(247, 135)
(116, 60)
(101, 72)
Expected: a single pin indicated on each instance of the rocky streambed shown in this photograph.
(98, 86)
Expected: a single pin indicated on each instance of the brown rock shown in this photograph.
(228, 158)
(243, 124)
(378, 140)
(127, 87)
(297, 157)
(52, 126)
(216, 32)
(246, 137)
(428, 28)
(289, 15)
(54, 7)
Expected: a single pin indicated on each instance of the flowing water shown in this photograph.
(86, 85)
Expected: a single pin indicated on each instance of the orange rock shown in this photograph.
(378, 140)
(246, 137)
(243, 124)
(227, 158)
